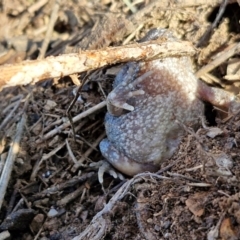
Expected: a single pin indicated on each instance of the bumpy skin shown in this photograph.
(147, 103)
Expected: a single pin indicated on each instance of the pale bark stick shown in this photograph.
(52, 67)
(12, 155)
(53, 19)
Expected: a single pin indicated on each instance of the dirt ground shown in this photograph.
(53, 191)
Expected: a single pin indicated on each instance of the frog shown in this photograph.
(150, 103)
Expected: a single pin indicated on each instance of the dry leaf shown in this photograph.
(49, 105)
(214, 131)
(195, 203)
(227, 231)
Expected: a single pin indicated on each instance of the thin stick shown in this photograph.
(70, 152)
(79, 163)
(66, 64)
(53, 19)
(36, 6)
(233, 49)
(44, 158)
(2, 161)
(13, 152)
(130, 6)
(209, 31)
(75, 119)
(10, 115)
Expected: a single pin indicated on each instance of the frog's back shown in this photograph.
(150, 132)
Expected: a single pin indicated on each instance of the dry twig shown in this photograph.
(88, 152)
(44, 158)
(33, 71)
(10, 115)
(13, 152)
(229, 52)
(75, 119)
(208, 33)
(47, 38)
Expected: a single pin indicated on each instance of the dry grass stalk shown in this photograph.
(13, 152)
(226, 54)
(53, 19)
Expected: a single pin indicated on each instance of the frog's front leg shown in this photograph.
(121, 162)
(118, 100)
(218, 97)
(123, 90)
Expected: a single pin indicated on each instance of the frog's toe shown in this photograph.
(104, 167)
